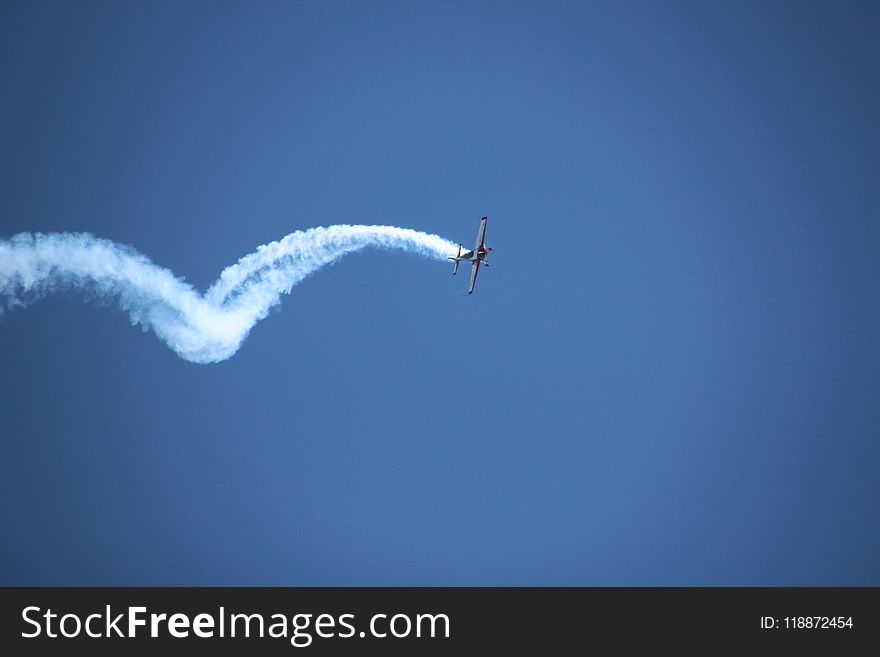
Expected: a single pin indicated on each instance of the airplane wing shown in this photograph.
(481, 234)
(475, 267)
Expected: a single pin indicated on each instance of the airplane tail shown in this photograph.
(457, 260)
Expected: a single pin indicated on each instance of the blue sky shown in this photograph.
(669, 376)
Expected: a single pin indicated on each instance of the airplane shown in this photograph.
(475, 257)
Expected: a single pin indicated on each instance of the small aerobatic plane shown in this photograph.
(475, 257)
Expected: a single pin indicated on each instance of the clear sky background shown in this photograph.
(669, 376)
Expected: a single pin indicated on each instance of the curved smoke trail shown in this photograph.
(202, 328)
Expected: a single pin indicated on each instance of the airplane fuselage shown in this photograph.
(470, 256)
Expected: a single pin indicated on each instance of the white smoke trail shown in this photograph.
(202, 328)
